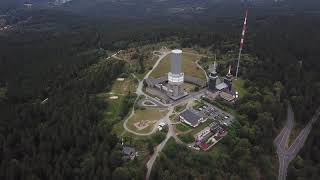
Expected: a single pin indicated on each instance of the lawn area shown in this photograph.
(189, 66)
(189, 87)
(180, 107)
(200, 127)
(119, 90)
(124, 86)
(182, 127)
(238, 85)
(186, 138)
(151, 115)
(174, 118)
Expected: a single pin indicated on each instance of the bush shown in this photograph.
(182, 127)
(158, 137)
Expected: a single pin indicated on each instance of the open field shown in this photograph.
(118, 129)
(174, 118)
(180, 108)
(115, 96)
(189, 66)
(124, 86)
(149, 116)
(181, 127)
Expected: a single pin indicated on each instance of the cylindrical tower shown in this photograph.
(176, 77)
(176, 61)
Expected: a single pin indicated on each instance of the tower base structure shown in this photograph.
(175, 86)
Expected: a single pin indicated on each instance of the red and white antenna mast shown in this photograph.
(242, 41)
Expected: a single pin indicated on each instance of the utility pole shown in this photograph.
(241, 42)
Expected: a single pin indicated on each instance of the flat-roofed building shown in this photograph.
(191, 118)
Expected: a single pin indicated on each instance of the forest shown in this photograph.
(60, 56)
(286, 70)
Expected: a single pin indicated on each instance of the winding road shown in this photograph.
(139, 93)
(285, 154)
(166, 119)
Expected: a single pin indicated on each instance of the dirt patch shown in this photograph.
(143, 124)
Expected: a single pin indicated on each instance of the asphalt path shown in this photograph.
(139, 93)
(285, 154)
(166, 119)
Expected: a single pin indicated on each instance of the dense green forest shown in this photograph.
(61, 56)
(63, 137)
(307, 164)
(286, 69)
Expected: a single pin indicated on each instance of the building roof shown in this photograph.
(190, 117)
(151, 81)
(203, 146)
(128, 150)
(221, 86)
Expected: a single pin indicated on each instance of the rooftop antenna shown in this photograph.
(241, 42)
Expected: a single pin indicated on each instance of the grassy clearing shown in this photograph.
(124, 87)
(174, 118)
(180, 108)
(152, 115)
(118, 129)
(186, 138)
(119, 89)
(182, 127)
(189, 66)
(239, 86)
(189, 87)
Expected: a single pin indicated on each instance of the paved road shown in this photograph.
(166, 119)
(115, 55)
(158, 149)
(140, 92)
(302, 137)
(286, 155)
(281, 142)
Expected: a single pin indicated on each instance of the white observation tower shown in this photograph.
(176, 77)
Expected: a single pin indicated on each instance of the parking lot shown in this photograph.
(211, 112)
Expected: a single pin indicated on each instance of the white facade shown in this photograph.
(188, 123)
(176, 78)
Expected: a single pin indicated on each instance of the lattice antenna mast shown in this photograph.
(242, 42)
